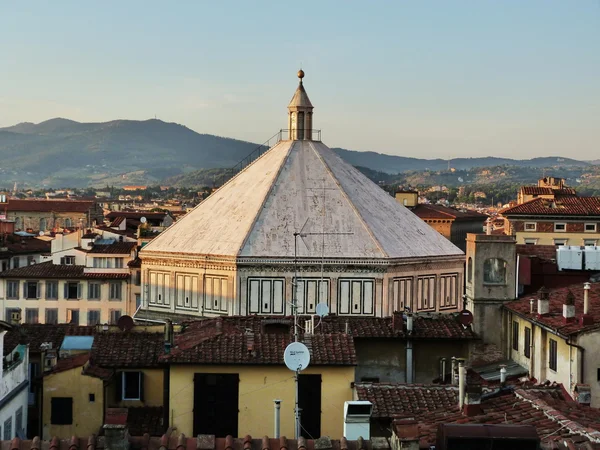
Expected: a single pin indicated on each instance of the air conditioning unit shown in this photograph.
(569, 257)
(583, 394)
(357, 419)
(592, 258)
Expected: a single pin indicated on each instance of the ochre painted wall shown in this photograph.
(87, 416)
(259, 385)
(153, 390)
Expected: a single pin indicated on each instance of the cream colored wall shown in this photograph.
(548, 238)
(153, 390)
(62, 304)
(88, 416)
(259, 385)
(591, 343)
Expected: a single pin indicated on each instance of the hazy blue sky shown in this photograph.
(442, 78)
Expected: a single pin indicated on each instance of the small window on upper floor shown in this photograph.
(530, 226)
(530, 241)
(68, 260)
(590, 227)
(494, 271)
(560, 226)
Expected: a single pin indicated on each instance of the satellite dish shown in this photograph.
(41, 233)
(296, 356)
(125, 323)
(143, 220)
(322, 309)
(465, 317)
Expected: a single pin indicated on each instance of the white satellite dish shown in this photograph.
(143, 220)
(322, 309)
(296, 356)
(41, 233)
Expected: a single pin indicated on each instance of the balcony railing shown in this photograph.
(281, 135)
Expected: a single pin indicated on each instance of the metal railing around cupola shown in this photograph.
(281, 135)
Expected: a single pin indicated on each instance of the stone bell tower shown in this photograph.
(300, 111)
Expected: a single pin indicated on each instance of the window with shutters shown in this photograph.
(19, 421)
(159, 288)
(51, 290)
(118, 263)
(515, 335)
(215, 293)
(68, 260)
(186, 291)
(93, 317)
(12, 289)
(31, 315)
(8, 429)
(52, 315)
(553, 355)
(131, 385)
(31, 289)
(310, 292)
(402, 292)
(73, 316)
(356, 296)
(94, 290)
(61, 410)
(16, 262)
(494, 271)
(115, 291)
(72, 290)
(448, 290)
(266, 295)
(115, 315)
(425, 292)
(527, 343)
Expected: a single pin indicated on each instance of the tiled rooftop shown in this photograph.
(545, 252)
(70, 362)
(57, 206)
(560, 206)
(50, 270)
(124, 248)
(425, 211)
(121, 349)
(23, 246)
(36, 334)
(558, 297)
(537, 190)
(554, 416)
(136, 215)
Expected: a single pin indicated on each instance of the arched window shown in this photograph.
(494, 271)
(470, 270)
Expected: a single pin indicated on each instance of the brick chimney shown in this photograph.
(472, 403)
(405, 435)
(569, 308)
(543, 302)
(586, 319)
(116, 434)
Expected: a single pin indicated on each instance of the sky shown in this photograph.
(421, 78)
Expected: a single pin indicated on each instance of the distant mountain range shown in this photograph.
(62, 152)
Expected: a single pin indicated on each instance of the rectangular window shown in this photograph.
(16, 262)
(265, 295)
(186, 291)
(215, 293)
(19, 421)
(132, 385)
(356, 296)
(115, 315)
(51, 290)
(530, 241)
(118, 263)
(402, 293)
(115, 290)
(12, 289)
(72, 290)
(67, 260)
(590, 227)
(31, 289)
(311, 292)
(9, 314)
(159, 288)
(448, 290)
(560, 226)
(8, 429)
(138, 301)
(530, 226)
(590, 242)
(52, 315)
(61, 410)
(559, 242)
(94, 290)
(553, 356)
(93, 317)
(73, 316)
(527, 343)
(426, 292)
(137, 277)
(515, 336)
(31, 315)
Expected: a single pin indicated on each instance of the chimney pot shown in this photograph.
(472, 406)
(586, 319)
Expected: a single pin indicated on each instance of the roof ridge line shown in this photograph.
(358, 214)
(267, 194)
(557, 416)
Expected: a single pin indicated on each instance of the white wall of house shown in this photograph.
(15, 383)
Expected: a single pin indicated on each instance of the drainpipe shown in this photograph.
(462, 375)
(409, 349)
(502, 375)
(277, 403)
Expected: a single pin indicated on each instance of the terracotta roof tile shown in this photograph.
(136, 215)
(536, 190)
(124, 248)
(49, 205)
(36, 334)
(425, 211)
(69, 363)
(127, 349)
(545, 252)
(560, 206)
(146, 419)
(558, 297)
(92, 370)
(51, 270)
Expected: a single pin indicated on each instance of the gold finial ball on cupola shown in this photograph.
(301, 74)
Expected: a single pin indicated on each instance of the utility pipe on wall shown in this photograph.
(276, 432)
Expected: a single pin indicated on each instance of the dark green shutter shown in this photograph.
(119, 386)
